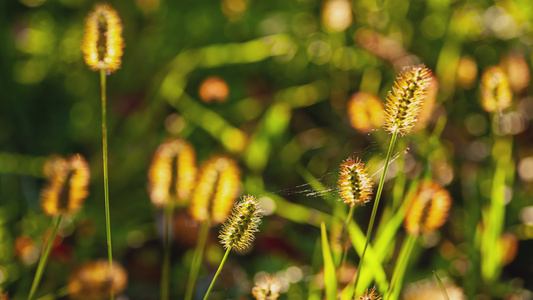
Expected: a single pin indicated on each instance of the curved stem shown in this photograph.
(106, 174)
(376, 204)
(217, 273)
(165, 272)
(197, 259)
(344, 235)
(43, 259)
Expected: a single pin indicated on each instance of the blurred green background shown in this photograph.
(290, 72)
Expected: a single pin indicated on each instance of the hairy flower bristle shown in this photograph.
(369, 295)
(93, 280)
(365, 111)
(216, 191)
(267, 288)
(426, 110)
(428, 210)
(406, 98)
(355, 186)
(238, 231)
(495, 92)
(172, 174)
(67, 185)
(102, 43)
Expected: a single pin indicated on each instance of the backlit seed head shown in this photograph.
(267, 288)
(238, 231)
(365, 111)
(406, 98)
(355, 185)
(213, 88)
(94, 280)
(172, 174)
(369, 295)
(428, 210)
(217, 189)
(67, 185)
(102, 42)
(428, 105)
(495, 92)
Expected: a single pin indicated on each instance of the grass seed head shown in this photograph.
(369, 295)
(172, 174)
(354, 183)
(93, 280)
(67, 185)
(238, 231)
(267, 288)
(495, 92)
(428, 210)
(406, 98)
(102, 43)
(217, 189)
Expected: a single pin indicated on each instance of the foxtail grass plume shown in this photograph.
(369, 295)
(267, 288)
(406, 98)
(94, 280)
(102, 44)
(216, 190)
(355, 186)
(172, 173)
(495, 92)
(428, 105)
(428, 210)
(67, 185)
(238, 231)
(365, 111)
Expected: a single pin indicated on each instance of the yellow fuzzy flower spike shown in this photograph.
(238, 231)
(354, 183)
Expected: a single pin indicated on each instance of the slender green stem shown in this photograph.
(106, 174)
(399, 269)
(165, 272)
(217, 273)
(376, 203)
(345, 234)
(43, 259)
(197, 259)
(442, 287)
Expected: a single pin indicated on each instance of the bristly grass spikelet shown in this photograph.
(267, 288)
(238, 231)
(429, 209)
(369, 295)
(406, 98)
(102, 43)
(355, 185)
(172, 174)
(495, 92)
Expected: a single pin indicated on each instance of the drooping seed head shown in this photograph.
(355, 185)
(365, 111)
(67, 185)
(94, 280)
(267, 288)
(406, 98)
(238, 231)
(217, 189)
(369, 295)
(102, 44)
(428, 210)
(172, 173)
(495, 92)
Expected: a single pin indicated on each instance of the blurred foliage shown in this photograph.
(290, 75)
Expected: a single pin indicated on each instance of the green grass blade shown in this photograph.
(330, 279)
(443, 289)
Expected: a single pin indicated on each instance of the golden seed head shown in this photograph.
(428, 210)
(213, 88)
(405, 100)
(267, 288)
(495, 92)
(172, 173)
(429, 103)
(355, 185)
(67, 185)
(238, 231)
(365, 111)
(217, 189)
(369, 295)
(93, 280)
(102, 42)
